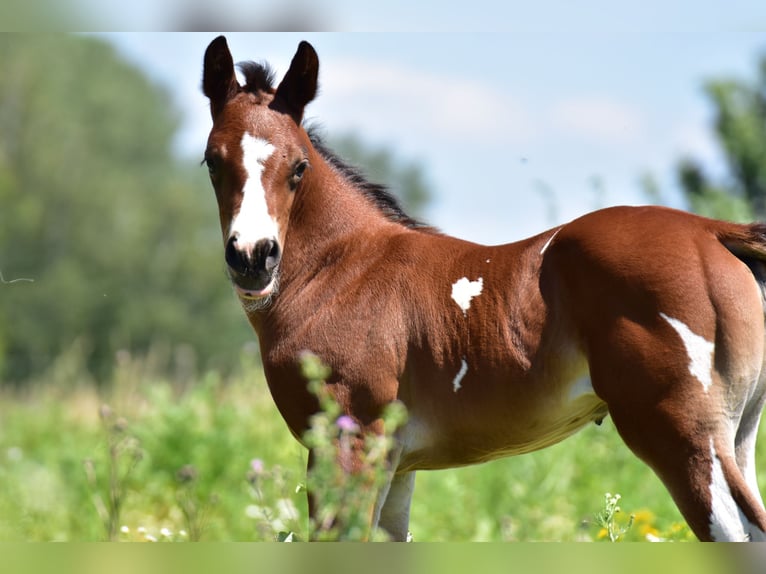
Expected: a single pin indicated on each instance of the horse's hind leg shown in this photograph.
(744, 442)
(698, 465)
(683, 421)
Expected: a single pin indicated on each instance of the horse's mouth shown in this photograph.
(253, 289)
(254, 294)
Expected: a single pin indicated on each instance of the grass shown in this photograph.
(210, 459)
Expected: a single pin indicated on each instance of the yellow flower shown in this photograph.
(647, 530)
(643, 516)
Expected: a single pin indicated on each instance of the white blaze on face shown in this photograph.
(699, 349)
(464, 290)
(252, 222)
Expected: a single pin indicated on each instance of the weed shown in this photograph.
(123, 454)
(348, 468)
(193, 506)
(607, 519)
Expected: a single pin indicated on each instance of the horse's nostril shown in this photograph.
(273, 255)
(232, 255)
(252, 260)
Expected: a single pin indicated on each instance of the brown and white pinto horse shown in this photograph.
(650, 315)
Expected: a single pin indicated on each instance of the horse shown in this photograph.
(650, 315)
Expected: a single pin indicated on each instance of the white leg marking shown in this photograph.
(727, 521)
(464, 290)
(460, 374)
(252, 222)
(745, 447)
(699, 349)
(395, 510)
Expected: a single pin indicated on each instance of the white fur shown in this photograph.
(727, 521)
(460, 374)
(253, 222)
(699, 349)
(392, 509)
(548, 243)
(582, 387)
(464, 290)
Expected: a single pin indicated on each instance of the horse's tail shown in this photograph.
(747, 242)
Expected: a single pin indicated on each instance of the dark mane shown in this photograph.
(379, 195)
(259, 77)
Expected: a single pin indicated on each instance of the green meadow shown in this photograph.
(208, 458)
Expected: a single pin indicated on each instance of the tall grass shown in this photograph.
(208, 458)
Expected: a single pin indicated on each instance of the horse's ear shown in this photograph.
(299, 85)
(219, 82)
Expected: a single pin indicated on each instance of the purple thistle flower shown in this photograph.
(346, 424)
(256, 466)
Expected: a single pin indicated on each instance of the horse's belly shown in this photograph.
(429, 444)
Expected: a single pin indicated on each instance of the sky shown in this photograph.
(518, 127)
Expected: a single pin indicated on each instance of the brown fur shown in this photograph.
(371, 296)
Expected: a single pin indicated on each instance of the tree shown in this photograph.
(119, 238)
(117, 241)
(740, 127)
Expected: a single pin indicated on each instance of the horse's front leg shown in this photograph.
(392, 509)
(348, 483)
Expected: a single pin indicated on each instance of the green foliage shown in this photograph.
(107, 240)
(740, 128)
(118, 238)
(345, 496)
(607, 518)
(110, 486)
(217, 463)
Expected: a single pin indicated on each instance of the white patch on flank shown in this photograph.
(460, 374)
(548, 243)
(253, 222)
(699, 349)
(464, 290)
(582, 387)
(727, 521)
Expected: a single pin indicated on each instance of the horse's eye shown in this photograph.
(298, 172)
(212, 162)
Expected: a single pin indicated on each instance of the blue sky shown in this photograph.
(512, 127)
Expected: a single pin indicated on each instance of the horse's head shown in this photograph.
(257, 154)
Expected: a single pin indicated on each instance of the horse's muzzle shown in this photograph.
(253, 267)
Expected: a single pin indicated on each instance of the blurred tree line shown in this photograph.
(108, 242)
(739, 124)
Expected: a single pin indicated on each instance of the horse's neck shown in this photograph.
(330, 211)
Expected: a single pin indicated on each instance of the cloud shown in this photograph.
(390, 97)
(599, 118)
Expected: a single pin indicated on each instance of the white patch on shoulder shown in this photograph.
(550, 240)
(253, 222)
(460, 374)
(727, 521)
(464, 290)
(699, 349)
